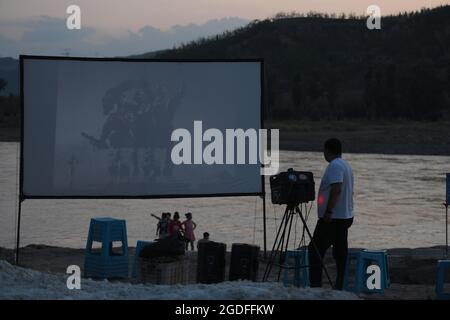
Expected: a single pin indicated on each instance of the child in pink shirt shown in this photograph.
(189, 227)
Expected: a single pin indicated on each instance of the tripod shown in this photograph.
(281, 242)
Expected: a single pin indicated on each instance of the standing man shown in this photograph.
(335, 211)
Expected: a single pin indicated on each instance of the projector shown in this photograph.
(292, 187)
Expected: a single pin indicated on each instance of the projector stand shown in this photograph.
(281, 242)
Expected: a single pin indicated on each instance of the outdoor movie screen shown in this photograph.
(103, 127)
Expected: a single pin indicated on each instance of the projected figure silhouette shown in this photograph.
(130, 109)
(164, 111)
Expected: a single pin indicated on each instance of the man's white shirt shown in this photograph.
(337, 171)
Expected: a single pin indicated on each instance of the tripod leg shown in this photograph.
(270, 261)
(280, 242)
(283, 237)
(285, 245)
(289, 232)
(314, 245)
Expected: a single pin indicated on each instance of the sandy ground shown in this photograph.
(19, 283)
(412, 271)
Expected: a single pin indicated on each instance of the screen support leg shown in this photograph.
(19, 214)
(264, 226)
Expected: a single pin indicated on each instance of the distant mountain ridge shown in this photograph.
(320, 67)
(45, 35)
(146, 38)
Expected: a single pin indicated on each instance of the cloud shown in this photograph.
(49, 36)
(43, 35)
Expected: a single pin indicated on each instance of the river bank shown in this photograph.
(401, 137)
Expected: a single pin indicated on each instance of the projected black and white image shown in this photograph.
(130, 108)
(107, 129)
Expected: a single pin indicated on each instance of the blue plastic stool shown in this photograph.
(363, 259)
(139, 246)
(106, 264)
(354, 255)
(443, 265)
(301, 268)
(384, 256)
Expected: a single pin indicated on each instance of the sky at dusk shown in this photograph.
(108, 26)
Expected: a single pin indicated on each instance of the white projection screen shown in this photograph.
(101, 128)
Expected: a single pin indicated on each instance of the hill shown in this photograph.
(9, 72)
(322, 67)
(359, 83)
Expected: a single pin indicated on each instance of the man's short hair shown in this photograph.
(206, 235)
(334, 146)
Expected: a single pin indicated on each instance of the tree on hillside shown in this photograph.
(448, 81)
(3, 84)
(297, 92)
(321, 68)
(426, 97)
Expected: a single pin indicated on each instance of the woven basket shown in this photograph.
(164, 270)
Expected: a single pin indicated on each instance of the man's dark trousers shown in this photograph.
(334, 234)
